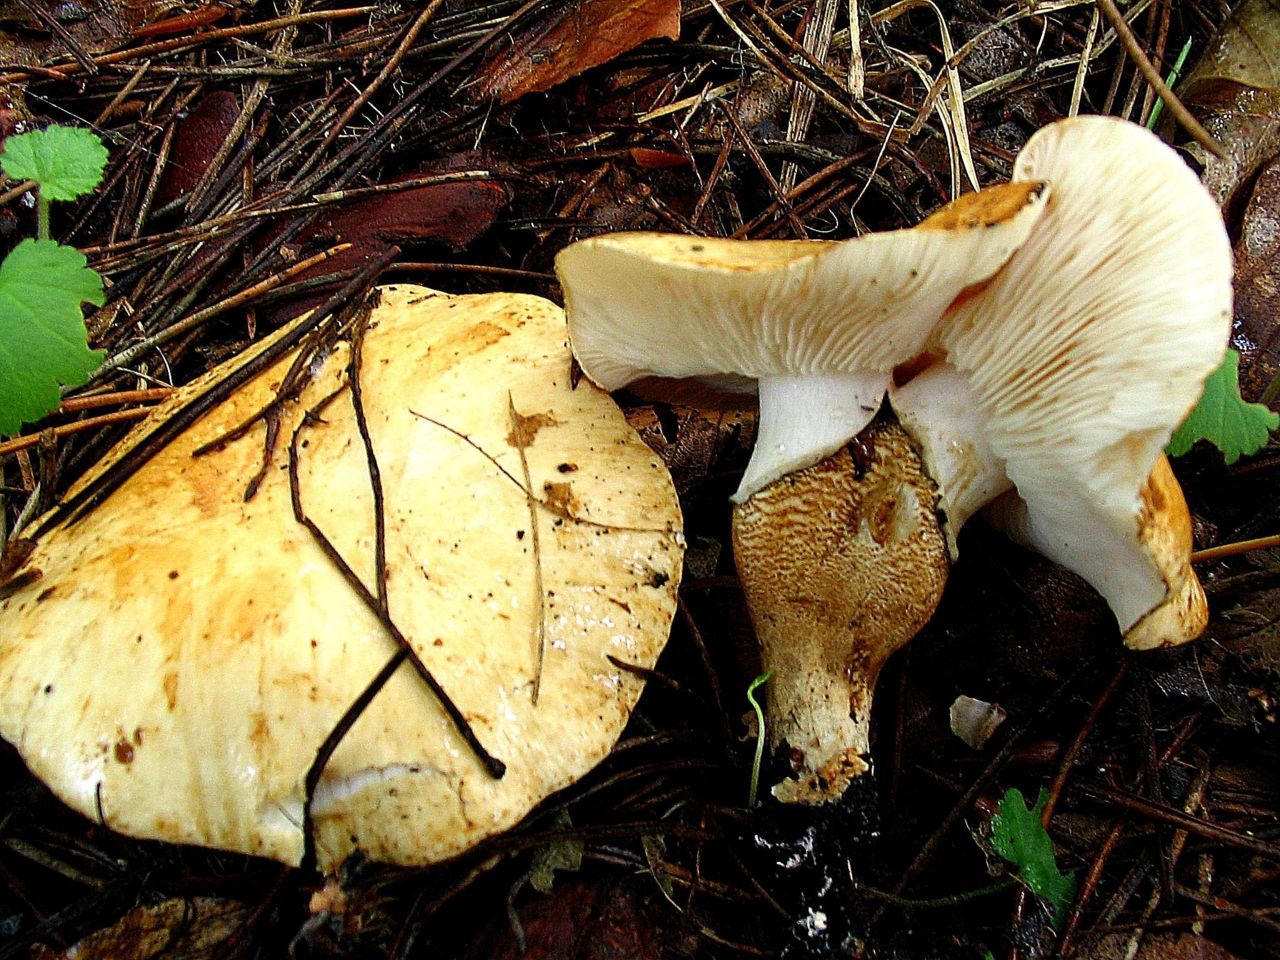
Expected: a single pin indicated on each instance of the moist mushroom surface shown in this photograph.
(185, 651)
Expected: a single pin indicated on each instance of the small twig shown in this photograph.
(56, 27)
(358, 706)
(110, 479)
(15, 192)
(1176, 108)
(493, 766)
(354, 365)
(1065, 946)
(128, 355)
(413, 266)
(1235, 549)
(390, 67)
(92, 401)
(713, 676)
(66, 429)
(935, 903)
(413, 183)
(547, 505)
(1177, 818)
(779, 194)
(521, 437)
(77, 404)
(180, 43)
(1069, 757)
(1260, 917)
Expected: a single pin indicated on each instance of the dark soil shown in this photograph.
(1165, 767)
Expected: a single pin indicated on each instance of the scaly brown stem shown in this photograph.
(842, 563)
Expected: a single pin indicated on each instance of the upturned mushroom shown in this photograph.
(1039, 341)
(184, 651)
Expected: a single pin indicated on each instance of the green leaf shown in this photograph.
(67, 162)
(42, 334)
(1223, 418)
(564, 854)
(1019, 837)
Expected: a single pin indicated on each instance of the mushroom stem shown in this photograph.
(841, 563)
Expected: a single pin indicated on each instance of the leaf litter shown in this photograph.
(311, 146)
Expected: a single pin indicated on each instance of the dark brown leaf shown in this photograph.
(695, 443)
(196, 140)
(39, 31)
(450, 213)
(196, 929)
(576, 921)
(566, 39)
(1235, 92)
(649, 159)
(1257, 283)
(1158, 946)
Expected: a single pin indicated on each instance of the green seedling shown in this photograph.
(43, 341)
(760, 738)
(1223, 418)
(1169, 82)
(1018, 836)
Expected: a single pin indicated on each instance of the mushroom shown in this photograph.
(1038, 342)
(185, 651)
(815, 327)
(1082, 354)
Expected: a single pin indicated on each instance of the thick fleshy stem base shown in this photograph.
(842, 563)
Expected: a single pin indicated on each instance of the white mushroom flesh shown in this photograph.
(939, 410)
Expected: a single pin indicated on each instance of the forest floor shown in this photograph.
(500, 133)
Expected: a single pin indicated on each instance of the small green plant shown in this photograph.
(1169, 82)
(564, 854)
(1019, 837)
(43, 341)
(759, 758)
(1223, 418)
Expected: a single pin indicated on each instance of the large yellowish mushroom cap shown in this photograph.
(185, 652)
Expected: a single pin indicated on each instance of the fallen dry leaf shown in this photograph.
(562, 41)
(179, 929)
(1159, 946)
(649, 159)
(29, 32)
(695, 443)
(1257, 283)
(575, 921)
(1235, 92)
(196, 140)
(450, 213)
